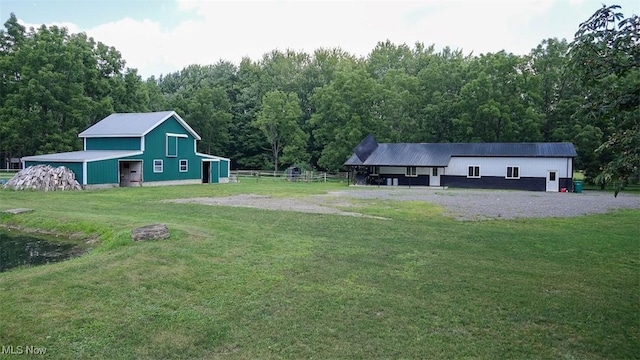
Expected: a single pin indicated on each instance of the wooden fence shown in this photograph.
(303, 176)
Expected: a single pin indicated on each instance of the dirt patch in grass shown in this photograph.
(459, 203)
(317, 204)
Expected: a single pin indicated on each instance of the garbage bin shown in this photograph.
(577, 186)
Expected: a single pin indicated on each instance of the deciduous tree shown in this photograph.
(605, 55)
(278, 120)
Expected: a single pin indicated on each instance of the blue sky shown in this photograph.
(88, 13)
(161, 36)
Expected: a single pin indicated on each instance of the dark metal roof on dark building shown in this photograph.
(439, 154)
(366, 147)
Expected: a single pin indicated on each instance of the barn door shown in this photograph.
(206, 172)
(215, 172)
(434, 179)
(130, 173)
(552, 180)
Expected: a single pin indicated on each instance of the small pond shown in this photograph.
(21, 249)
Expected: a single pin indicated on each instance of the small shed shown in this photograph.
(293, 173)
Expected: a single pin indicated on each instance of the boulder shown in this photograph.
(150, 232)
(18, 211)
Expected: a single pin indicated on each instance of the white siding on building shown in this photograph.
(497, 166)
(402, 170)
(423, 171)
(392, 170)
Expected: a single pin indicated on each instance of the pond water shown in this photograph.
(20, 249)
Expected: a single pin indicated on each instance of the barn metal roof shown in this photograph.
(82, 156)
(439, 154)
(132, 125)
(365, 148)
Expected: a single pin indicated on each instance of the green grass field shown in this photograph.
(244, 283)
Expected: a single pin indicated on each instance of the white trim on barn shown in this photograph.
(84, 173)
(82, 156)
(180, 120)
(213, 157)
(186, 165)
(172, 182)
(178, 135)
(144, 123)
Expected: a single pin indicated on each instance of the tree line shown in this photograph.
(311, 109)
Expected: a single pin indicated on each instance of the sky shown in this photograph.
(162, 36)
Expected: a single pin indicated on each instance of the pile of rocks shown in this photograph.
(44, 178)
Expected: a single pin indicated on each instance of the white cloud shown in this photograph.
(230, 30)
(71, 27)
(140, 42)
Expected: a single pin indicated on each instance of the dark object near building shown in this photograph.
(577, 186)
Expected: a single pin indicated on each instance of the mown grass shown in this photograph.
(250, 283)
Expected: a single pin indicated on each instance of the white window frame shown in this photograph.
(474, 176)
(434, 171)
(158, 166)
(186, 165)
(517, 170)
(176, 136)
(411, 171)
(168, 154)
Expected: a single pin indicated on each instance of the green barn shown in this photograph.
(135, 149)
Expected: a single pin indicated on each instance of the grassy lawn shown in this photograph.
(249, 283)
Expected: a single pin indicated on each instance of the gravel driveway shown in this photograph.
(467, 204)
(460, 203)
(318, 204)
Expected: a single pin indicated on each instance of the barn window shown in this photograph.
(513, 172)
(158, 166)
(374, 170)
(184, 165)
(474, 171)
(434, 171)
(172, 144)
(412, 171)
